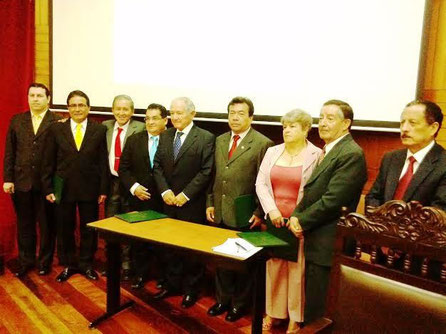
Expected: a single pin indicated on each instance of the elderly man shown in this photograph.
(136, 175)
(336, 182)
(418, 172)
(25, 144)
(183, 170)
(76, 153)
(118, 130)
(238, 155)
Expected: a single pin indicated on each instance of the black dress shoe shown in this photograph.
(44, 271)
(126, 274)
(138, 282)
(91, 274)
(217, 309)
(164, 293)
(234, 314)
(66, 274)
(188, 300)
(160, 283)
(22, 271)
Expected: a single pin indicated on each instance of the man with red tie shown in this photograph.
(118, 130)
(418, 172)
(238, 155)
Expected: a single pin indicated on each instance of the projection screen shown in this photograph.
(283, 55)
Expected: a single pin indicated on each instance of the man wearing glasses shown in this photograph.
(75, 159)
(136, 176)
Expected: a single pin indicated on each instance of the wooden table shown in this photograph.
(194, 239)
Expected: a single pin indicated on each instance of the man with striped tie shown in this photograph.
(76, 153)
(136, 176)
(183, 169)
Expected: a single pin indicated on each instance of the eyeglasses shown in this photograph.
(147, 119)
(79, 105)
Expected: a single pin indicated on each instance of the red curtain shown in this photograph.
(17, 64)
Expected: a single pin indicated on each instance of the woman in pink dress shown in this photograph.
(282, 176)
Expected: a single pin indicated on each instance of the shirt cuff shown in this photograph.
(164, 192)
(133, 188)
(185, 196)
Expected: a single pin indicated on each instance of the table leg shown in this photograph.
(258, 296)
(113, 284)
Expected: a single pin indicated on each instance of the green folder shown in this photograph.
(140, 216)
(288, 253)
(244, 208)
(58, 183)
(262, 239)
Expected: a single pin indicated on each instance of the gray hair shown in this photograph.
(298, 116)
(190, 107)
(124, 97)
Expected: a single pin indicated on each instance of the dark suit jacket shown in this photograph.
(134, 127)
(190, 173)
(24, 149)
(237, 176)
(85, 172)
(135, 167)
(428, 185)
(335, 183)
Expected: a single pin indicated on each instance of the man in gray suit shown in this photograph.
(238, 155)
(336, 182)
(417, 172)
(118, 130)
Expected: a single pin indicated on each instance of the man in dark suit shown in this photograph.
(136, 176)
(76, 152)
(418, 172)
(22, 171)
(118, 130)
(183, 170)
(336, 182)
(238, 155)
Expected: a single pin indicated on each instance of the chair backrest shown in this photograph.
(389, 271)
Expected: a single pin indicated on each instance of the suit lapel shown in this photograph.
(46, 121)
(28, 123)
(190, 139)
(110, 136)
(130, 130)
(144, 142)
(326, 162)
(244, 146)
(68, 134)
(393, 176)
(89, 132)
(224, 146)
(425, 168)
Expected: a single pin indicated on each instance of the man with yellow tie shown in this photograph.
(24, 146)
(76, 153)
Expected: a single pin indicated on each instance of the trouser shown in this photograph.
(316, 287)
(234, 288)
(115, 204)
(31, 207)
(66, 225)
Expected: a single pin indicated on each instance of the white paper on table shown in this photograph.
(237, 247)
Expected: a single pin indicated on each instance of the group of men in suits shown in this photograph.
(189, 175)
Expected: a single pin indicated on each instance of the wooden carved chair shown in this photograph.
(400, 290)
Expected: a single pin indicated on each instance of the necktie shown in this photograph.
(152, 150)
(36, 119)
(234, 145)
(321, 157)
(177, 144)
(78, 136)
(405, 180)
(118, 150)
